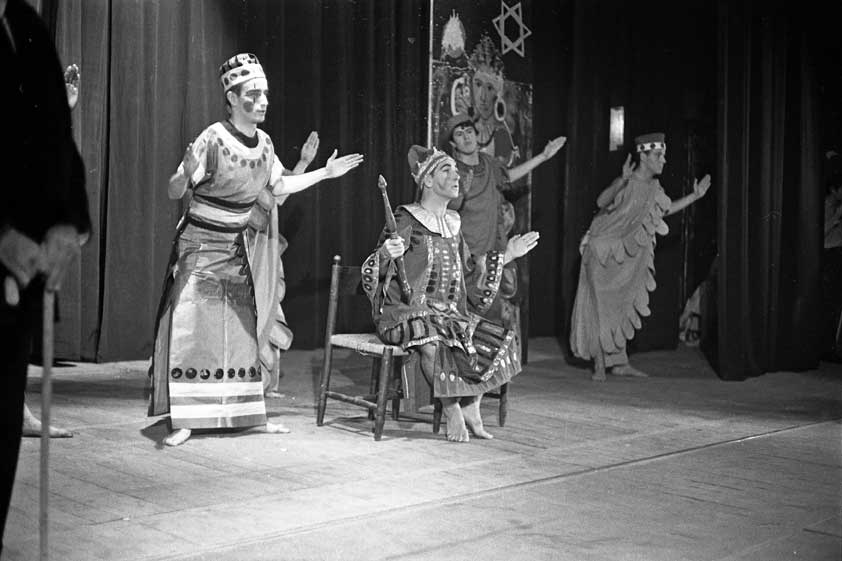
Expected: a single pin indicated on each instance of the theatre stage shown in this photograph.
(677, 466)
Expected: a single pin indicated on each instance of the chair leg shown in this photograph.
(397, 385)
(504, 404)
(437, 411)
(324, 385)
(382, 390)
(372, 383)
(396, 409)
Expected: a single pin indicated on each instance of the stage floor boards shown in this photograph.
(679, 466)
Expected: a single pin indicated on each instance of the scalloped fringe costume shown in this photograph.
(618, 271)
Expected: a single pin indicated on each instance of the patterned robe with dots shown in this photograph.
(451, 290)
(206, 371)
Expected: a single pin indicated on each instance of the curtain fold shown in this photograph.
(354, 71)
(369, 95)
(163, 91)
(767, 295)
(82, 38)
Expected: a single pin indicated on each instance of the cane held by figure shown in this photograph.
(392, 228)
(46, 399)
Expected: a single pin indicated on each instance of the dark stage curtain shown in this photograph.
(659, 68)
(354, 71)
(80, 303)
(768, 187)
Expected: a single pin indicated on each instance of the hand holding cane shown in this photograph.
(392, 229)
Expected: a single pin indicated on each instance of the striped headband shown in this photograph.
(646, 146)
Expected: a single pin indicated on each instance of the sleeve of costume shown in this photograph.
(205, 158)
(260, 215)
(619, 197)
(276, 177)
(377, 270)
(501, 174)
(483, 277)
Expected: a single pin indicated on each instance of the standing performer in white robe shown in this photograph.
(206, 369)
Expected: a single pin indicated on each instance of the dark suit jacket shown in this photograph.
(42, 178)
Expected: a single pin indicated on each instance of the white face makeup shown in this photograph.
(444, 181)
(253, 100)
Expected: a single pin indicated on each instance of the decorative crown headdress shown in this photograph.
(423, 160)
(238, 69)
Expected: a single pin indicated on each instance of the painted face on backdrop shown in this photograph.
(485, 94)
(253, 100)
(444, 181)
(464, 139)
(654, 160)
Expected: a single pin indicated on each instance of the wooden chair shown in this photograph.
(385, 383)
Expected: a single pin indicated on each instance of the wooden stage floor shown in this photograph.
(679, 466)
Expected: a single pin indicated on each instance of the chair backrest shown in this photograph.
(345, 282)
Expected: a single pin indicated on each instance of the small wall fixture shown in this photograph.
(617, 126)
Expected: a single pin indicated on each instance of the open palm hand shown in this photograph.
(337, 167)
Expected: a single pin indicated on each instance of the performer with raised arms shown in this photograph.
(618, 259)
(206, 370)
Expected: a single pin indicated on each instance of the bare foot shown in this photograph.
(32, 427)
(628, 370)
(598, 375)
(177, 437)
(276, 428)
(470, 412)
(456, 429)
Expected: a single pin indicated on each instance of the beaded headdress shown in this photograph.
(238, 69)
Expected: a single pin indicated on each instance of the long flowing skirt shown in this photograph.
(611, 299)
(206, 371)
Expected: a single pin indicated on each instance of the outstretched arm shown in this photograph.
(549, 151)
(610, 193)
(699, 190)
(335, 167)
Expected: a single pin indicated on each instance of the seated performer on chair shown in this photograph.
(206, 369)
(461, 355)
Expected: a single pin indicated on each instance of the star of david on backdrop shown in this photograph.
(516, 14)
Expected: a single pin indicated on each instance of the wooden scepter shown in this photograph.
(392, 229)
